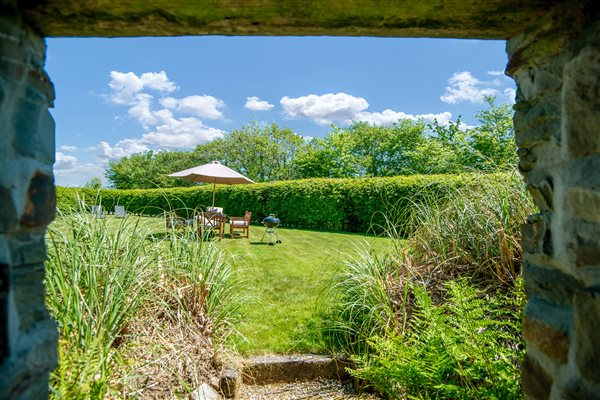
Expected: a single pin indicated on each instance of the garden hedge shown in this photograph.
(353, 205)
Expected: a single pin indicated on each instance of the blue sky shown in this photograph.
(115, 97)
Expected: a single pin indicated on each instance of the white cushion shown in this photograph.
(239, 223)
(206, 222)
(215, 209)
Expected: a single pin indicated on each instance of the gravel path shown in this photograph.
(321, 389)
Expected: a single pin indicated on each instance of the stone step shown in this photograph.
(264, 370)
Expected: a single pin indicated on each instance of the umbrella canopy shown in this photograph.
(214, 173)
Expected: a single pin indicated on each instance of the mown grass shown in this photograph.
(285, 285)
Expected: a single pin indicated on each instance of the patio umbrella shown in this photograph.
(214, 173)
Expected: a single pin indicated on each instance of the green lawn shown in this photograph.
(285, 284)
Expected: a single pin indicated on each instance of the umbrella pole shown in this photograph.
(213, 194)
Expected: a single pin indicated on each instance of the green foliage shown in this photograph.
(150, 170)
(488, 147)
(473, 233)
(353, 205)
(104, 274)
(266, 152)
(469, 347)
(419, 335)
(95, 282)
(262, 152)
(94, 183)
(365, 295)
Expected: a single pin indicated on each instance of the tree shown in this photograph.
(149, 170)
(493, 141)
(262, 152)
(94, 183)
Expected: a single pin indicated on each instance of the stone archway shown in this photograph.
(554, 56)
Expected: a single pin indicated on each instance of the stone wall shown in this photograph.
(556, 65)
(27, 202)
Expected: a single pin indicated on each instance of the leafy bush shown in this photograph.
(353, 205)
(467, 348)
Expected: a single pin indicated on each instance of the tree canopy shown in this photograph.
(267, 152)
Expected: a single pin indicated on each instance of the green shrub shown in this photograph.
(474, 233)
(467, 348)
(354, 205)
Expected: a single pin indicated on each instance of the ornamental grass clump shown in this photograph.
(137, 311)
(475, 232)
(404, 304)
(96, 280)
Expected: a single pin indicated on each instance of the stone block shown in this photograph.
(581, 102)
(537, 383)
(587, 328)
(538, 123)
(271, 369)
(8, 216)
(204, 392)
(538, 82)
(536, 234)
(229, 383)
(40, 207)
(27, 248)
(583, 203)
(583, 172)
(583, 242)
(550, 284)
(541, 156)
(578, 389)
(546, 327)
(25, 374)
(4, 285)
(542, 191)
(27, 293)
(26, 122)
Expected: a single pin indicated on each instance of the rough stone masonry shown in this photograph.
(27, 204)
(556, 65)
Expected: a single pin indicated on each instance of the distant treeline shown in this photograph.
(266, 152)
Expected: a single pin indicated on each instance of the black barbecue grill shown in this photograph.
(271, 223)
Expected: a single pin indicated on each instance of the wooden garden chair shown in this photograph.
(241, 224)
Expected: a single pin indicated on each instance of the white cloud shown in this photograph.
(68, 148)
(79, 173)
(346, 109)
(388, 117)
(184, 132)
(201, 106)
(141, 110)
(495, 73)
(464, 87)
(125, 86)
(63, 161)
(255, 104)
(510, 95)
(68, 171)
(324, 109)
(122, 148)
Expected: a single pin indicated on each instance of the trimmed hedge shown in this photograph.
(353, 205)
